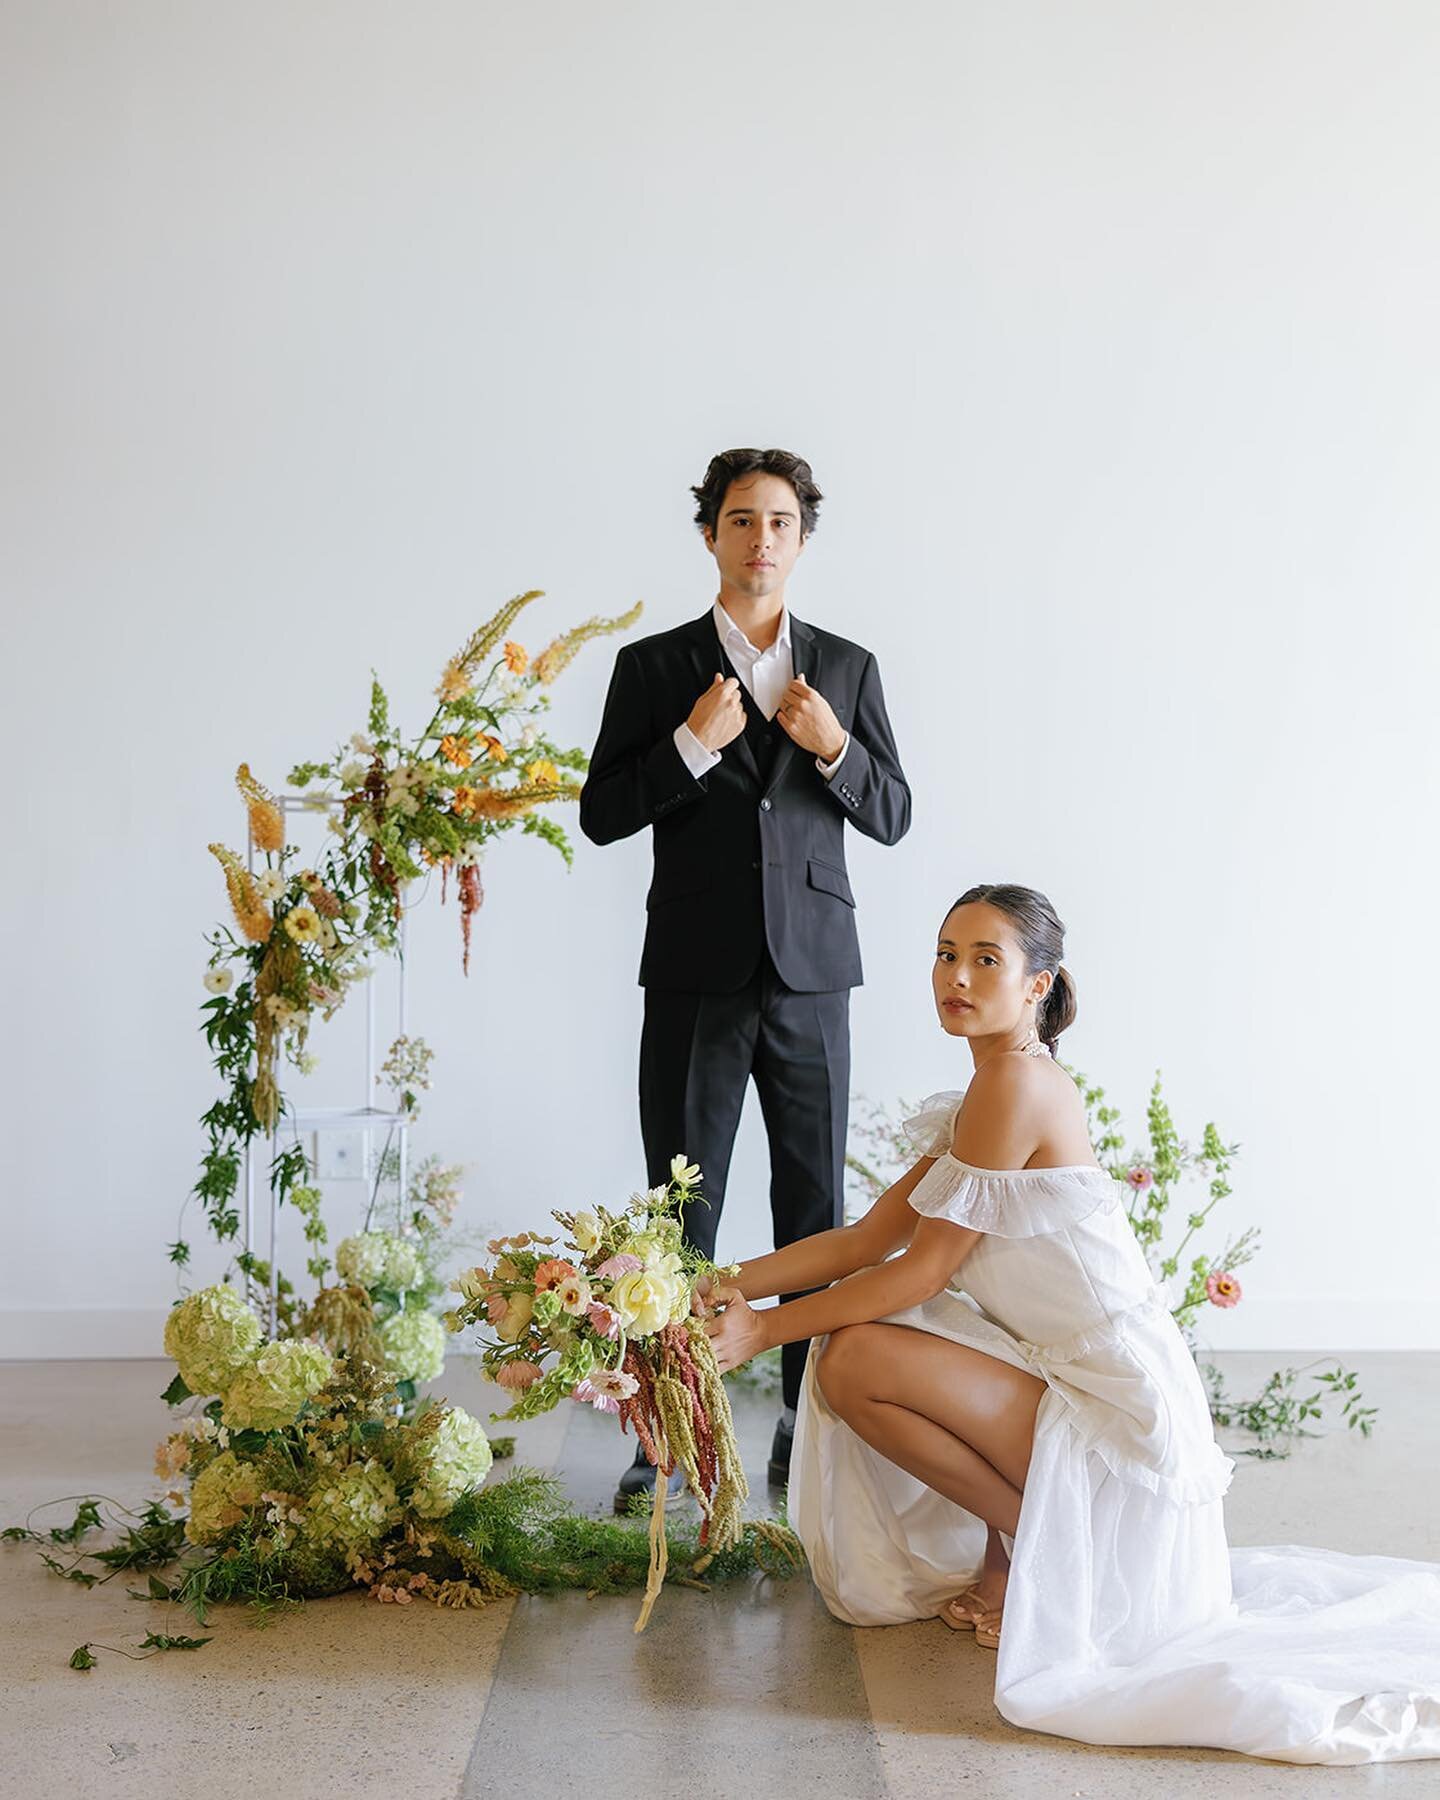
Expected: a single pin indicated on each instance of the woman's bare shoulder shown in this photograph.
(1016, 1107)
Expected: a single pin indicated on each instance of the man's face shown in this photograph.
(757, 536)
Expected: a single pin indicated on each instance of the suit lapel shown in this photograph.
(709, 656)
(805, 655)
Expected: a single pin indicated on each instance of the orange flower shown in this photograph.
(251, 914)
(562, 652)
(267, 824)
(456, 751)
(493, 748)
(454, 682)
(550, 1273)
(517, 658)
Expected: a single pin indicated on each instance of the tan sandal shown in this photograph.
(987, 1629)
(961, 1613)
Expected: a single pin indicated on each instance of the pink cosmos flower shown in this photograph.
(1222, 1288)
(550, 1273)
(1140, 1178)
(614, 1267)
(602, 1320)
(604, 1389)
(517, 1376)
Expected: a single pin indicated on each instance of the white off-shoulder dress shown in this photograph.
(1128, 1620)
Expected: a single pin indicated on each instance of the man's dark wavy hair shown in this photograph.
(735, 465)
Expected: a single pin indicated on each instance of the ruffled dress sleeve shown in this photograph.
(933, 1127)
(1011, 1203)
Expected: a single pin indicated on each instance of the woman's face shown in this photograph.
(981, 987)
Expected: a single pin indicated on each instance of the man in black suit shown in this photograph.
(747, 741)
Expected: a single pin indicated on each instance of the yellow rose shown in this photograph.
(516, 1320)
(644, 1299)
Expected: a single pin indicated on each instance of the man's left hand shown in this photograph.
(808, 718)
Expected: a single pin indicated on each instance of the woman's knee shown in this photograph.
(843, 1361)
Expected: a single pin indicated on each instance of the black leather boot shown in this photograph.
(780, 1447)
(639, 1478)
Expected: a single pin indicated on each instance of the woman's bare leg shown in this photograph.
(960, 1421)
(994, 1571)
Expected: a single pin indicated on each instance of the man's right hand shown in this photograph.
(718, 716)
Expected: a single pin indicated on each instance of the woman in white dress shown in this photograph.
(1001, 1425)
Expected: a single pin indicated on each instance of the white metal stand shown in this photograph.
(366, 1119)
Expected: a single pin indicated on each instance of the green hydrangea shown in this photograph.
(352, 1507)
(414, 1346)
(455, 1458)
(211, 1334)
(224, 1491)
(269, 1392)
(378, 1259)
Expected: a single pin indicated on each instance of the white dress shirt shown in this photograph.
(765, 674)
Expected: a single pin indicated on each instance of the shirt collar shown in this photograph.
(727, 629)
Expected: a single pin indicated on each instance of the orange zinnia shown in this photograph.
(517, 658)
(493, 748)
(456, 751)
(550, 1273)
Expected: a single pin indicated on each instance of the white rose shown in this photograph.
(644, 1300)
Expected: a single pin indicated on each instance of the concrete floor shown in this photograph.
(752, 1690)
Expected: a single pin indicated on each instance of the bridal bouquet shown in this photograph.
(602, 1315)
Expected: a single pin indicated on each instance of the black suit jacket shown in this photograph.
(743, 862)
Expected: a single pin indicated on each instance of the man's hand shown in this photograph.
(718, 716)
(738, 1333)
(807, 717)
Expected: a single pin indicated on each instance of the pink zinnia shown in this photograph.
(1222, 1288)
(602, 1320)
(1140, 1177)
(550, 1273)
(496, 1307)
(604, 1389)
(614, 1267)
(517, 1376)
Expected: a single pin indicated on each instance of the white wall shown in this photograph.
(1110, 332)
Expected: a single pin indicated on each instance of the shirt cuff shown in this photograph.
(696, 758)
(828, 769)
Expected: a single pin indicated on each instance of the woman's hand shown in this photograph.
(738, 1333)
(710, 1294)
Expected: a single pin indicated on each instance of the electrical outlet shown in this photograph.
(340, 1156)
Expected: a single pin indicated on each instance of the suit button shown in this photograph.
(754, 865)
(764, 806)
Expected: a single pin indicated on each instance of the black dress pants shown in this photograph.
(698, 1051)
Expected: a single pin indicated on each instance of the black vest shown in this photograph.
(763, 735)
